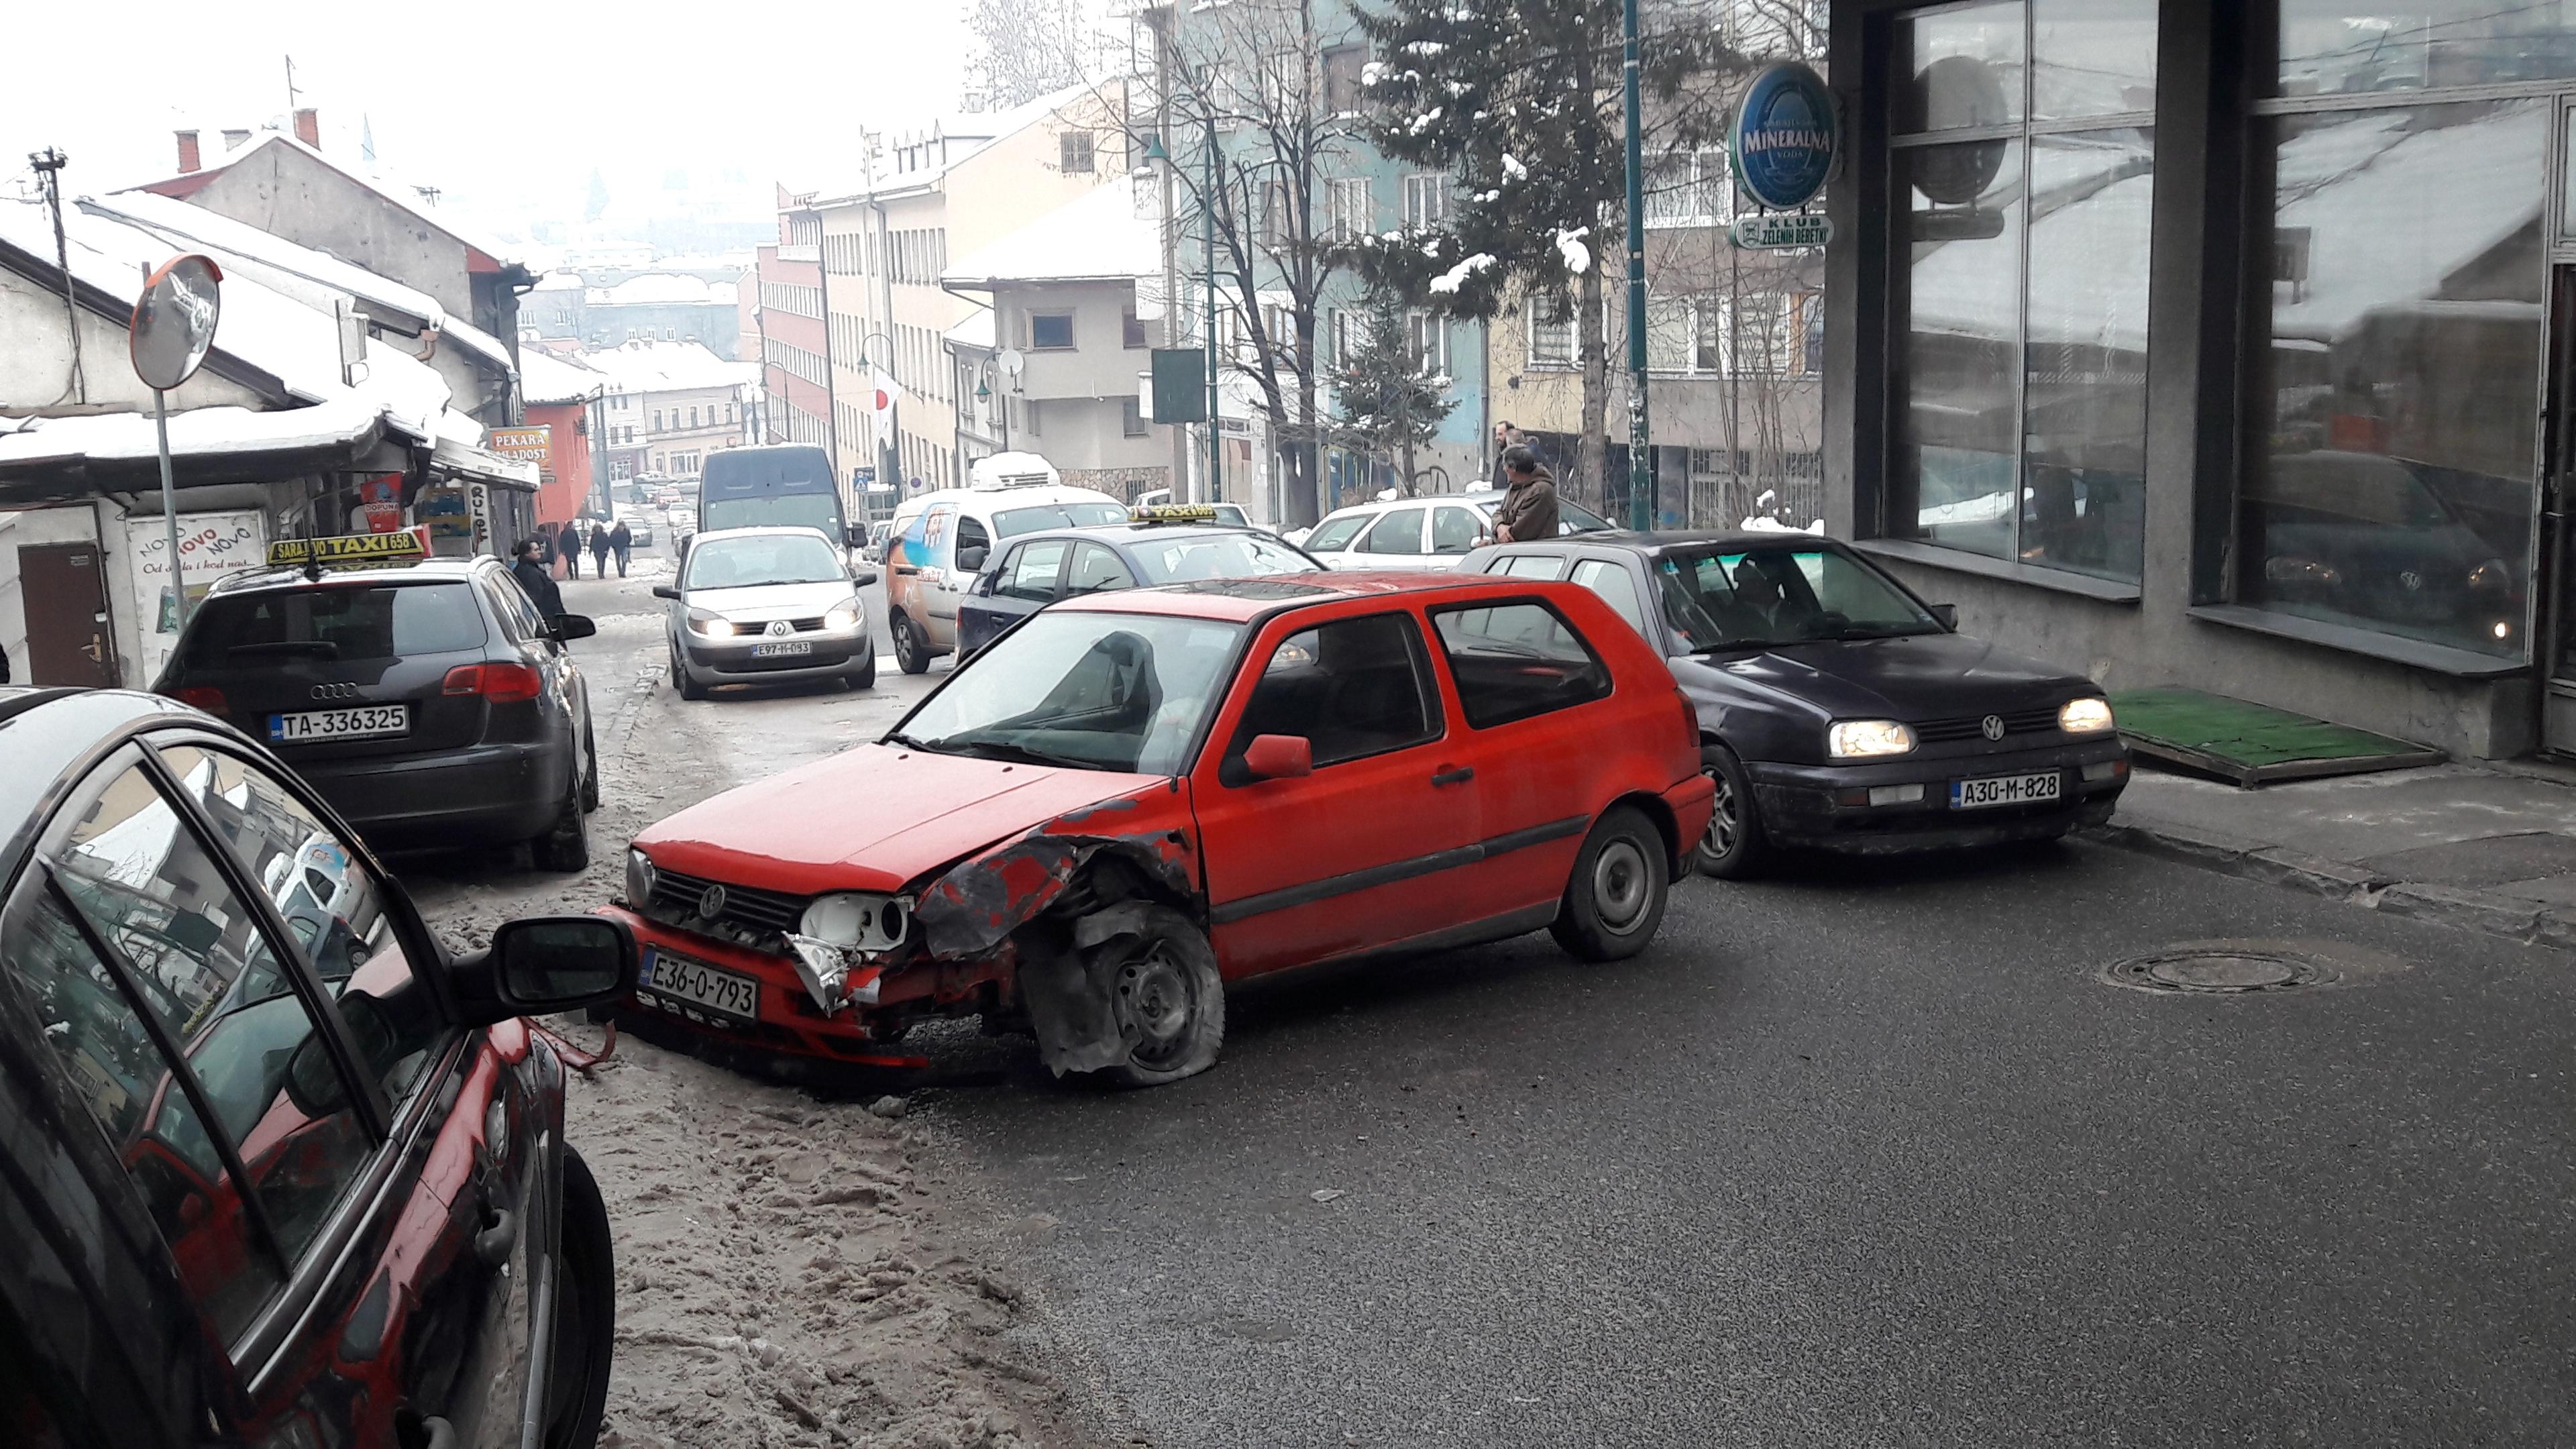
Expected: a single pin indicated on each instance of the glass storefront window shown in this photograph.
(1964, 65)
(1957, 405)
(2084, 392)
(2395, 490)
(2092, 58)
(2337, 47)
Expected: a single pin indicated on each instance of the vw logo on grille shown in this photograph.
(335, 691)
(1992, 726)
(711, 902)
(780, 629)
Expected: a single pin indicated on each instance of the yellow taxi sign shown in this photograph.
(1173, 513)
(351, 548)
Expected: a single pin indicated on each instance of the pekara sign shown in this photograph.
(535, 444)
(1786, 141)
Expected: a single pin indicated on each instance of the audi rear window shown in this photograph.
(337, 622)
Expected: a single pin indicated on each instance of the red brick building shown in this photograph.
(795, 345)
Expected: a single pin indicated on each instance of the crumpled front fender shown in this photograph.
(977, 903)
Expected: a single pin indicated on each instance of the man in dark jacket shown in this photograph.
(1528, 511)
(533, 578)
(568, 544)
(598, 551)
(622, 542)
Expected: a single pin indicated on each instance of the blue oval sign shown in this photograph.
(1785, 137)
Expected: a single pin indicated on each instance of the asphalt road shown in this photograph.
(1861, 1156)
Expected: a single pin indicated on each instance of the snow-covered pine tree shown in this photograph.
(1388, 398)
(1519, 101)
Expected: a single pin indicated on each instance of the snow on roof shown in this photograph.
(979, 129)
(662, 289)
(666, 367)
(545, 378)
(197, 433)
(559, 282)
(393, 192)
(1096, 237)
(975, 332)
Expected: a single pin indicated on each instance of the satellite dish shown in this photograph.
(1012, 361)
(174, 321)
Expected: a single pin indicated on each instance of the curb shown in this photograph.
(2526, 922)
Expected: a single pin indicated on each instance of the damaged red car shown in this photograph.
(1131, 799)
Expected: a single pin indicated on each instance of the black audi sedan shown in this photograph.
(1838, 711)
(427, 699)
(1169, 545)
(275, 1167)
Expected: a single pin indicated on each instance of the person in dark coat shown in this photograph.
(621, 541)
(1528, 511)
(568, 544)
(599, 545)
(533, 578)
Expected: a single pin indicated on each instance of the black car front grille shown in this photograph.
(746, 909)
(807, 626)
(2016, 722)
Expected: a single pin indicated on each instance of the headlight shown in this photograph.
(2084, 716)
(639, 879)
(861, 922)
(710, 623)
(2495, 575)
(843, 616)
(1862, 739)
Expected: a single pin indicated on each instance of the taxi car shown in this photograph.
(425, 698)
(1135, 797)
(1160, 544)
(274, 1173)
(1837, 710)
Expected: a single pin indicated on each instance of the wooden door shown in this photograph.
(64, 588)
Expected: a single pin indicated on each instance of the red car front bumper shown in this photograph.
(787, 1019)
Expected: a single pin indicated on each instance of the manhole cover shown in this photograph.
(2224, 972)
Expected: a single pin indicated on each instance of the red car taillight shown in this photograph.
(499, 683)
(205, 697)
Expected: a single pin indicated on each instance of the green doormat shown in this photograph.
(2253, 744)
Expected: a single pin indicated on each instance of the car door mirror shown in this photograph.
(538, 965)
(855, 536)
(665, 591)
(863, 578)
(1948, 614)
(1279, 757)
(970, 559)
(572, 626)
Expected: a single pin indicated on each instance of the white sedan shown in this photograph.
(1433, 531)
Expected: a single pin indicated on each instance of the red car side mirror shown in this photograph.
(1279, 757)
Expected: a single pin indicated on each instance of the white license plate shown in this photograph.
(340, 724)
(2004, 790)
(782, 649)
(677, 983)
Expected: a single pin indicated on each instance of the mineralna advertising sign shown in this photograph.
(1785, 137)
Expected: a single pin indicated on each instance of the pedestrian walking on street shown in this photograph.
(622, 542)
(1528, 511)
(568, 544)
(533, 578)
(599, 545)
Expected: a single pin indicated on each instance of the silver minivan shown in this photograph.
(768, 606)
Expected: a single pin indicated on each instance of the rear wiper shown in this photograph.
(318, 648)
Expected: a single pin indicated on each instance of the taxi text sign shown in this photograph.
(535, 444)
(351, 548)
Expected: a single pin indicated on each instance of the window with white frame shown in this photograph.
(1551, 332)
(1073, 153)
(1278, 220)
(1426, 336)
(1669, 334)
(1689, 188)
(1426, 200)
(1349, 212)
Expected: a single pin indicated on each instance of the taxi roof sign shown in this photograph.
(351, 548)
(1173, 513)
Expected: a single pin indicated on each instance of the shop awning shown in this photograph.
(465, 463)
(45, 460)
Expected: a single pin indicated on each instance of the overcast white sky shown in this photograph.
(502, 104)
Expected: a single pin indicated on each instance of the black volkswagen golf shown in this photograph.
(275, 1168)
(426, 699)
(1836, 709)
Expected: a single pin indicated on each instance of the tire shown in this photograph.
(1167, 998)
(566, 844)
(585, 1327)
(680, 680)
(590, 769)
(865, 676)
(1735, 846)
(1615, 900)
(910, 650)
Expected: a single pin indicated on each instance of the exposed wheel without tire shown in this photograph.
(1734, 846)
(910, 650)
(1166, 997)
(585, 1326)
(566, 844)
(1615, 899)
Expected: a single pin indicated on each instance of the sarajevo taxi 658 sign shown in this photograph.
(1786, 139)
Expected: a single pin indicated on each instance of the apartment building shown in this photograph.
(667, 405)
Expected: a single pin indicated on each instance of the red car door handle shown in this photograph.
(1459, 776)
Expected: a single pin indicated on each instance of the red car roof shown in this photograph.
(1239, 600)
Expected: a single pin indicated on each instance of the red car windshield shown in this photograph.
(1125, 692)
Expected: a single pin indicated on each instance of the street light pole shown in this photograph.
(1641, 463)
(1207, 226)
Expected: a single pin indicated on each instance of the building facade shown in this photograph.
(2212, 344)
(796, 368)
(666, 405)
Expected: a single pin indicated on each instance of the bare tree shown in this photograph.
(1024, 49)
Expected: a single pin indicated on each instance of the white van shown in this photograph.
(941, 540)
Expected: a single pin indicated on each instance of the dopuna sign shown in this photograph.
(1785, 141)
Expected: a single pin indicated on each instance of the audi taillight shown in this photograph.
(499, 683)
(1690, 721)
(205, 697)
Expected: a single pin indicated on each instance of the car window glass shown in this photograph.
(1096, 568)
(1611, 581)
(1533, 566)
(1086, 690)
(1081, 513)
(1333, 534)
(218, 987)
(1454, 529)
(750, 560)
(1351, 688)
(1514, 661)
(518, 612)
(1034, 570)
(128, 1084)
(342, 622)
(334, 907)
(971, 534)
(1398, 532)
